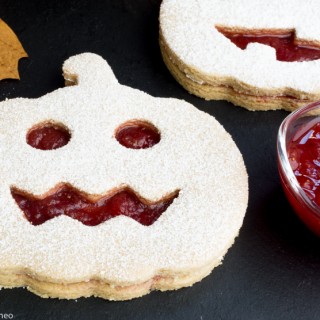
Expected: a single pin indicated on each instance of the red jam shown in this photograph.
(304, 156)
(286, 48)
(48, 137)
(69, 201)
(137, 135)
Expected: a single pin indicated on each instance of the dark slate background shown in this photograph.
(272, 271)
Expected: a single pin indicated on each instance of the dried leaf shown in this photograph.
(11, 51)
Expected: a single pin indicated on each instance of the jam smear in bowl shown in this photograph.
(298, 147)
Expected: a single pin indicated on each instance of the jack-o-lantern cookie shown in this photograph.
(260, 55)
(110, 192)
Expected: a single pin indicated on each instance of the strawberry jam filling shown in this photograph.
(48, 136)
(137, 135)
(287, 49)
(88, 209)
(304, 156)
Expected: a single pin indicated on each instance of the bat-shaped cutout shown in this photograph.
(288, 47)
(91, 210)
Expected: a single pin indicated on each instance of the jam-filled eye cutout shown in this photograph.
(48, 136)
(137, 134)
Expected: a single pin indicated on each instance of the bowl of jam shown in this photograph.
(298, 148)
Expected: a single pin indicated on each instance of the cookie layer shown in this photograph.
(255, 100)
(107, 290)
(120, 258)
(209, 65)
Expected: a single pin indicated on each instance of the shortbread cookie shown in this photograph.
(258, 55)
(106, 191)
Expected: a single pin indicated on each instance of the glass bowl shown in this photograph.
(294, 126)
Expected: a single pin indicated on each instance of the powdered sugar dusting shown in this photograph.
(195, 155)
(188, 27)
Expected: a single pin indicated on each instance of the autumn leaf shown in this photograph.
(11, 51)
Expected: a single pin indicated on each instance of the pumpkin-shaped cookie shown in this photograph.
(110, 192)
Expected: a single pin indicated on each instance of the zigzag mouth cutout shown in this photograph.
(288, 47)
(91, 210)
